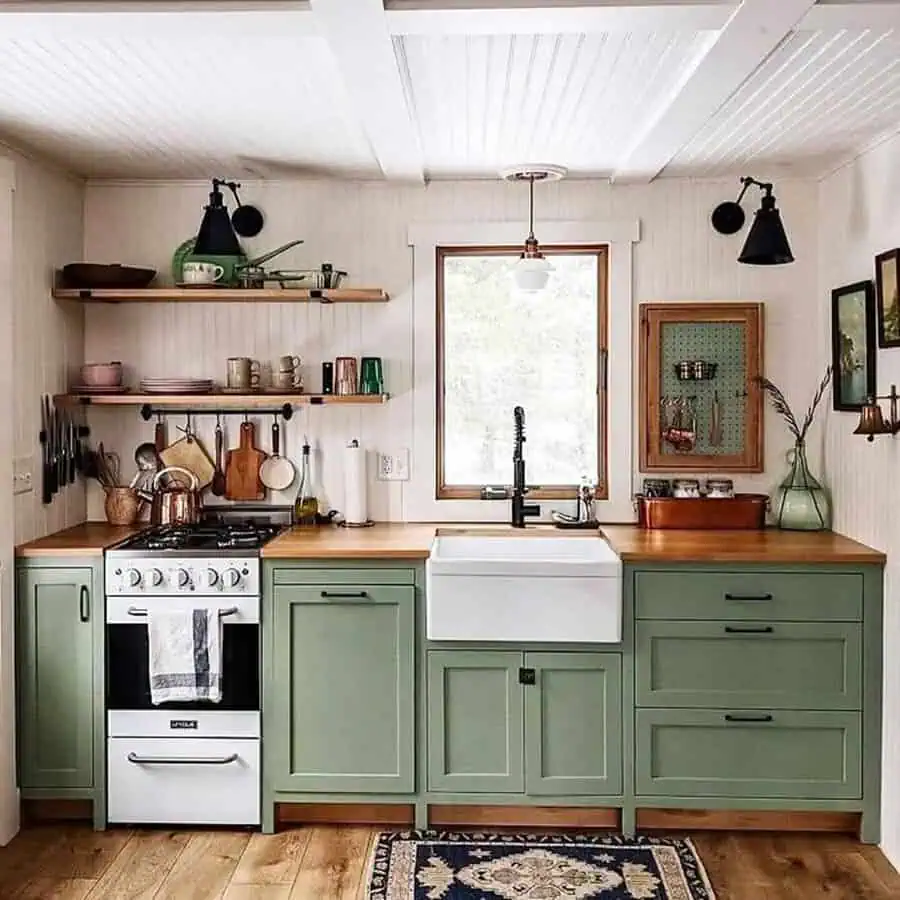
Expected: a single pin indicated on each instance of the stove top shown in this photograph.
(223, 531)
(212, 537)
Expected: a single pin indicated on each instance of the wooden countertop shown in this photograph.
(87, 539)
(634, 544)
(413, 541)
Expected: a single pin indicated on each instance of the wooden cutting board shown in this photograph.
(189, 454)
(242, 468)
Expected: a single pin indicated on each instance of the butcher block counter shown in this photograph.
(632, 544)
(86, 539)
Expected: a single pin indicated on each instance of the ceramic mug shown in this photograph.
(287, 381)
(201, 273)
(243, 373)
(288, 363)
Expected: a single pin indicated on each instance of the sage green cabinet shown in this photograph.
(343, 708)
(573, 724)
(55, 662)
(749, 665)
(733, 753)
(507, 722)
(475, 722)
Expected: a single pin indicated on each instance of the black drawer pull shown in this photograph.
(764, 629)
(84, 604)
(748, 598)
(345, 595)
(527, 676)
(732, 718)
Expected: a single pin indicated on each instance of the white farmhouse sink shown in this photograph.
(492, 588)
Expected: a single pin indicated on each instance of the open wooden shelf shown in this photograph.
(222, 295)
(218, 401)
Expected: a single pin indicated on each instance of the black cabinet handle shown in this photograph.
(749, 598)
(84, 604)
(732, 718)
(765, 629)
(527, 676)
(345, 595)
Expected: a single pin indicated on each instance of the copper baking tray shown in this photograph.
(743, 511)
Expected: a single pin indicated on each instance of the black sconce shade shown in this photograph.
(767, 243)
(216, 236)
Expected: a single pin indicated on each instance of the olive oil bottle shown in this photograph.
(306, 506)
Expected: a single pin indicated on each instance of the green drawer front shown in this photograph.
(701, 753)
(300, 576)
(755, 595)
(749, 665)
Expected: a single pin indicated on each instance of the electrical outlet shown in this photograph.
(23, 478)
(394, 466)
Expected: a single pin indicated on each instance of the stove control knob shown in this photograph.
(232, 578)
(132, 577)
(180, 578)
(212, 577)
(156, 577)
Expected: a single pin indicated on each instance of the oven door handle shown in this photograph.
(182, 760)
(138, 611)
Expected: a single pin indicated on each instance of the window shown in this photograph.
(498, 348)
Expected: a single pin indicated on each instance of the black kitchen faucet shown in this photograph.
(520, 509)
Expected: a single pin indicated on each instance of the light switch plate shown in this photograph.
(394, 466)
(23, 475)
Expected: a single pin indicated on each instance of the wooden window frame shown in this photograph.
(544, 492)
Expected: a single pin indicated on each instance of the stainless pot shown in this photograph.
(175, 504)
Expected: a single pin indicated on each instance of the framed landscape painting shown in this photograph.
(887, 280)
(853, 344)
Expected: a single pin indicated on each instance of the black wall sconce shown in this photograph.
(871, 418)
(767, 243)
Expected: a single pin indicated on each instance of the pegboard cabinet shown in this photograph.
(700, 403)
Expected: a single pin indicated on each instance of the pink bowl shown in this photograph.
(102, 374)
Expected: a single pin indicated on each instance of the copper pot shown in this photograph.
(175, 504)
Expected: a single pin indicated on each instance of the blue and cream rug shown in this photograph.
(433, 865)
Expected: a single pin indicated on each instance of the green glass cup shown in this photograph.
(371, 379)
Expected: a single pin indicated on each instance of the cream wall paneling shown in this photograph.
(860, 216)
(9, 799)
(365, 228)
(420, 503)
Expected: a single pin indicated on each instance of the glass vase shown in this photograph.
(800, 503)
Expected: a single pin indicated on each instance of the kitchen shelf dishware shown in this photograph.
(710, 424)
(214, 294)
(211, 402)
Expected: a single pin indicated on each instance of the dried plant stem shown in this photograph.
(782, 407)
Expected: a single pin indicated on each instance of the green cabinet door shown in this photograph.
(55, 652)
(343, 689)
(573, 724)
(748, 753)
(475, 722)
(748, 665)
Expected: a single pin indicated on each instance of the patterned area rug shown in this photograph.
(431, 865)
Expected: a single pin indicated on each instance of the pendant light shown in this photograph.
(216, 236)
(767, 243)
(532, 272)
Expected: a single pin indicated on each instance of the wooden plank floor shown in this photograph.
(71, 862)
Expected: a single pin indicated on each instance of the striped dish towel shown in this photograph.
(185, 655)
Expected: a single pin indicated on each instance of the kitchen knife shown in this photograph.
(60, 452)
(72, 455)
(46, 492)
(52, 460)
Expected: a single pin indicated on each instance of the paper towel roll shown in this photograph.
(355, 484)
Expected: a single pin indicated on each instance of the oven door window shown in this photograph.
(128, 676)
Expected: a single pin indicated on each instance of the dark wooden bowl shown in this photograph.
(95, 275)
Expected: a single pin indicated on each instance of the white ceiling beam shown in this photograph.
(755, 29)
(862, 14)
(376, 82)
(546, 17)
(223, 20)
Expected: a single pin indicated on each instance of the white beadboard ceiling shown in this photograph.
(422, 89)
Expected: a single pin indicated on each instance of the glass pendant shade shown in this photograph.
(767, 243)
(216, 236)
(532, 273)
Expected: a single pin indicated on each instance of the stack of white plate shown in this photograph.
(176, 385)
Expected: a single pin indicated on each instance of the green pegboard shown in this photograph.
(722, 343)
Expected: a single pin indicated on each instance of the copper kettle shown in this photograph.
(175, 504)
